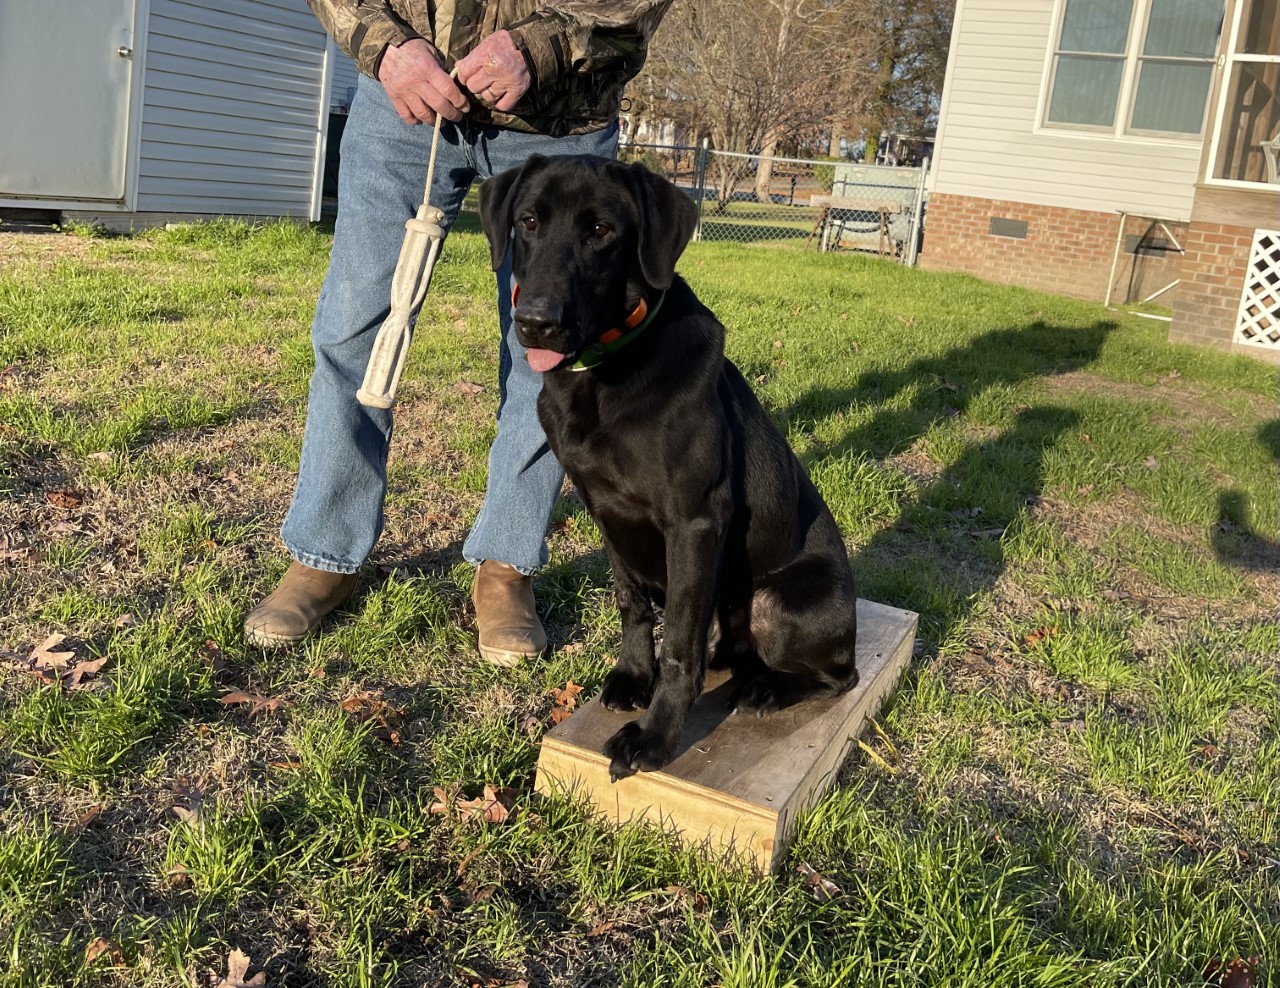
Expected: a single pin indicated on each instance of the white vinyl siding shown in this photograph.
(231, 108)
(345, 76)
(989, 145)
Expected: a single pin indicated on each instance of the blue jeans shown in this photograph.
(336, 515)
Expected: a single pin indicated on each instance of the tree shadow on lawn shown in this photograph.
(1233, 538)
(945, 550)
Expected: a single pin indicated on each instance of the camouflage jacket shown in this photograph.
(580, 53)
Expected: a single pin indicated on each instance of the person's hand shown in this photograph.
(496, 72)
(419, 88)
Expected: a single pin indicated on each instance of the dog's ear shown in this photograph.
(497, 200)
(668, 218)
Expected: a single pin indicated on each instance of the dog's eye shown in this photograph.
(601, 231)
(530, 223)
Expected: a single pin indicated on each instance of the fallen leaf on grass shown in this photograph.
(495, 806)
(467, 388)
(65, 528)
(101, 457)
(8, 553)
(75, 677)
(1239, 973)
(192, 796)
(823, 888)
(1150, 463)
(600, 929)
(530, 723)
(259, 705)
(697, 899)
(986, 533)
(567, 697)
(102, 947)
(367, 708)
(65, 499)
(1115, 595)
(1085, 489)
(1039, 635)
(88, 816)
(125, 621)
(559, 715)
(238, 972)
(43, 653)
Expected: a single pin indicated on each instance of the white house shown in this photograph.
(1117, 149)
(137, 111)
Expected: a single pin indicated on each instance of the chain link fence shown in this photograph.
(795, 203)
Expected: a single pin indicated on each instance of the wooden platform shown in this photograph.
(737, 783)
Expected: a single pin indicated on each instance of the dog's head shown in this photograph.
(589, 239)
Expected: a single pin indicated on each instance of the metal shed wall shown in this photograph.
(234, 108)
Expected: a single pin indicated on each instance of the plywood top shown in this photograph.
(763, 760)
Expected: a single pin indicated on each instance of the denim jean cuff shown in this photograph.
(523, 571)
(325, 563)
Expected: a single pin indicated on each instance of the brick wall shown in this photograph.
(1068, 251)
(1213, 269)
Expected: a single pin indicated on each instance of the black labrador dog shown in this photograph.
(702, 505)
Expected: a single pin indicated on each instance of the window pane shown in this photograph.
(1085, 90)
(1171, 97)
(1184, 28)
(1251, 123)
(1096, 25)
(1260, 32)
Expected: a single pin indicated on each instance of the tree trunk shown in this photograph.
(769, 147)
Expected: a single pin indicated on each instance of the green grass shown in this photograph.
(1075, 784)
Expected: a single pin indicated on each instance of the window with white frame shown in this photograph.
(1246, 135)
(1133, 67)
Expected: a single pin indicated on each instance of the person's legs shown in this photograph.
(336, 515)
(524, 477)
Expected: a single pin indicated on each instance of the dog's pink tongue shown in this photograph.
(544, 360)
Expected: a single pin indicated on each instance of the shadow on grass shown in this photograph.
(1233, 537)
(945, 549)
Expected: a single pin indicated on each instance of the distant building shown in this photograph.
(1059, 116)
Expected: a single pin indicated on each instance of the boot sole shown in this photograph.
(268, 639)
(505, 658)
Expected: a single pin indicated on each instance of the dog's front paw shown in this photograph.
(634, 749)
(626, 690)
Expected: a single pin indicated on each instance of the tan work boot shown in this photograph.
(294, 609)
(506, 619)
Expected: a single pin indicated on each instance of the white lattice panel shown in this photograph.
(1258, 323)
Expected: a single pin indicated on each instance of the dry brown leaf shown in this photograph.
(1239, 973)
(125, 621)
(88, 816)
(530, 723)
(102, 947)
(600, 929)
(75, 677)
(65, 499)
(495, 806)
(289, 765)
(823, 889)
(986, 533)
(1151, 463)
(43, 654)
(259, 705)
(65, 528)
(467, 388)
(567, 697)
(1085, 489)
(238, 972)
(441, 806)
(101, 457)
(1039, 635)
(559, 714)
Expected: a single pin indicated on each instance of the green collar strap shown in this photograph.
(610, 340)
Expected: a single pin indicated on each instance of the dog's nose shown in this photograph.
(538, 320)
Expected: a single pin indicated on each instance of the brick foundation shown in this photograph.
(1205, 305)
(1068, 251)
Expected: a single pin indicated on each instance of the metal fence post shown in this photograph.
(917, 216)
(700, 181)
